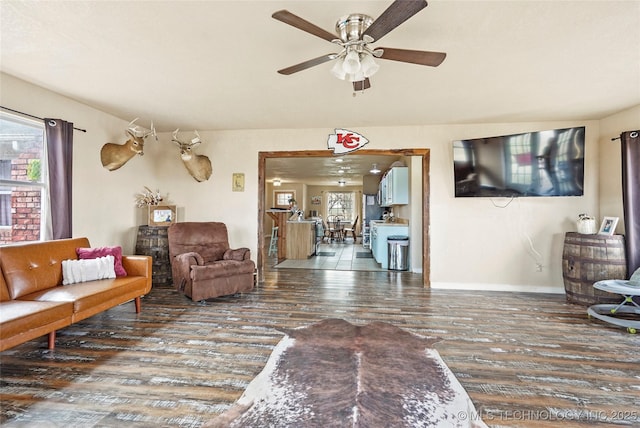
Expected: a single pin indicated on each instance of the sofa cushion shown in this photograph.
(74, 271)
(18, 316)
(94, 253)
(36, 266)
(86, 295)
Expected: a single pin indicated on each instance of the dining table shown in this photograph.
(336, 229)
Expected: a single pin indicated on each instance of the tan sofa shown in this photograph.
(33, 301)
(203, 265)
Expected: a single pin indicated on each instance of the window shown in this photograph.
(5, 194)
(282, 198)
(22, 184)
(341, 204)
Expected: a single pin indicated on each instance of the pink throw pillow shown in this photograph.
(94, 253)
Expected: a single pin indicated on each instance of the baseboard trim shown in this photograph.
(497, 287)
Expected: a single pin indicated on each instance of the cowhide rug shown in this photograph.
(335, 374)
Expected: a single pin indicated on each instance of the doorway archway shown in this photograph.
(423, 153)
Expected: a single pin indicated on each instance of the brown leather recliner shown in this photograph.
(203, 265)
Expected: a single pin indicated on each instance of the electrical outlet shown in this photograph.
(539, 267)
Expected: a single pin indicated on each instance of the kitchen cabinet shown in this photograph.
(394, 187)
(380, 231)
(301, 239)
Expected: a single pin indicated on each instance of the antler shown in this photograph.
(197, 139)
(138, 131)
(152, 132)
(194, 141)
(174, 136)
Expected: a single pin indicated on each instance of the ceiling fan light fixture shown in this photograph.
(351, 64)
(277, 183)
(374, 169)
(338, 69)
(368, 66)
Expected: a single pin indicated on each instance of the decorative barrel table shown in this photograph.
(587, 259)
(153, 241)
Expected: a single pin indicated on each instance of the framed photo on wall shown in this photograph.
(237, 182)
(608, 226)
(162, 215)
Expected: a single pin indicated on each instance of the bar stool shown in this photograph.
(273, 245)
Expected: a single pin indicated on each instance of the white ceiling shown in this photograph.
(211, 65)
(328, 171)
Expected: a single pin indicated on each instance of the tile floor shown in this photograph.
(334, 256)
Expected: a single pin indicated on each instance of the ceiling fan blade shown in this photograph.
(301, 24)
(362, 84)
(432, 59)
(307, 64)
(398, 12)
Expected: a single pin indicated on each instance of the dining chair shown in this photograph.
(327, 233)
(338, 228)
(351, 229)
(334, 227)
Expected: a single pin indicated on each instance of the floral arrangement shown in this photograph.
(148, 197)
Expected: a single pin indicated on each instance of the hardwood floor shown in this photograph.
(526, 360)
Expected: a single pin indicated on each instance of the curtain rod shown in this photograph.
(632, 134)
(34, 117)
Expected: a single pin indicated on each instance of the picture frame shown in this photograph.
(237, 182)
(316, 200)
(162, 215)
(608, 226)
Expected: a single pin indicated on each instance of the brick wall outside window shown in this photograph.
(25, 205)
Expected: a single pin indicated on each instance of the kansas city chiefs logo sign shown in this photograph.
(345, 141)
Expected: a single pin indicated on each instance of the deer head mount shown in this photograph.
(113, 156)
(199, 166)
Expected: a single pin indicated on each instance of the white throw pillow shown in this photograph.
(74, 271)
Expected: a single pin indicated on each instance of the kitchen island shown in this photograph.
(301, 239)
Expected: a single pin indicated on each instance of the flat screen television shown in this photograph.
(541, 163)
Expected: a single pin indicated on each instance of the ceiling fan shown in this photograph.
(355, 32)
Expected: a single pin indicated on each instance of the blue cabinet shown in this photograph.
(379, 234)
